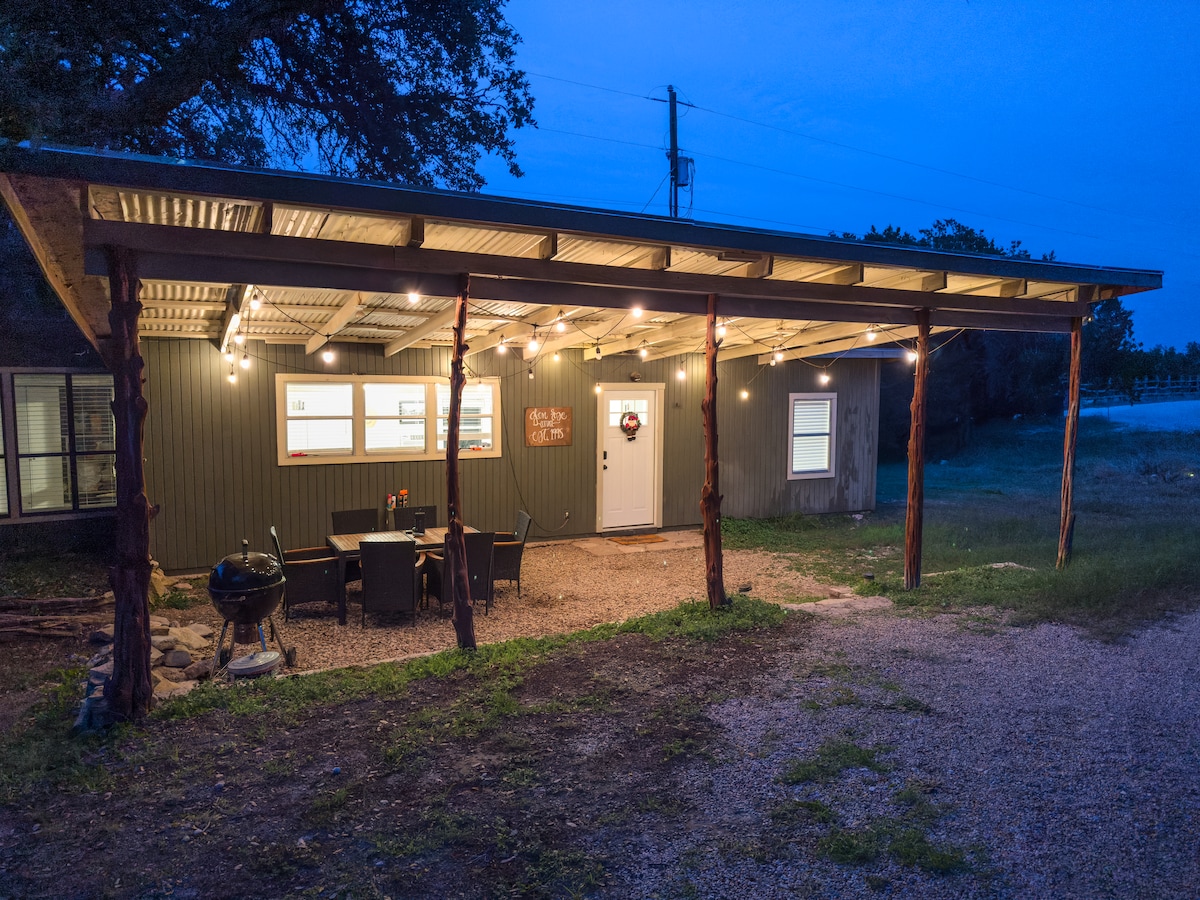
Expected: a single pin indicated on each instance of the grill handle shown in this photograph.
(245, 550)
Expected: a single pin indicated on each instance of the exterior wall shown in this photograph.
(754, 438)
(211, 447)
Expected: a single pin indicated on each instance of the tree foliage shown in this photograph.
(386, 89)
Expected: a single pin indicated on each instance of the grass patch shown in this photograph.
(831, 759)
(797, 812)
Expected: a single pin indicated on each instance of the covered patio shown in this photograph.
(205, 267)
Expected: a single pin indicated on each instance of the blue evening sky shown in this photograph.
(1071, 126)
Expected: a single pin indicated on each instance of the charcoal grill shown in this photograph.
(246, 588)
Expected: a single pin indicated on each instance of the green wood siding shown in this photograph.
(211, 446)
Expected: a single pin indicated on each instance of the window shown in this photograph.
(65, 442)
(379, 418)
(811, 421)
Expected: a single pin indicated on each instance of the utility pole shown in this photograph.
(673, 153)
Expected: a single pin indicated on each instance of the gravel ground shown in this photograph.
(1062, 766)
(565, 586)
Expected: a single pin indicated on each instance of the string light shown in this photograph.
(778, 356)
(721, 330)
(245, 361)
(681, 374)
(773, 361)
(823, 377)
(531, 374)
(636, 312)
(598, 351)
(598, 389)
(911, 356)
(871, 335)
(239, 339)
(745, 394)
(533, 343)
(559, 325)
(501, 347)
(255, 303)
(414, 298)
(327, 355)
(232, 377)
(556, 356)
(643, 351)
(229, 356)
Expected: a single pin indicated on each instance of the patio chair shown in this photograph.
(405, 516)
(355, 521)
(311, 573)
(391, 578)
(479, 570)
(506, 555)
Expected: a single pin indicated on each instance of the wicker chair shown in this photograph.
(391, 577)
(506, 555)
(355, 521)
(311, 573)
(479, 570)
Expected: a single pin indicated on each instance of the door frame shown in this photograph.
(660, 393)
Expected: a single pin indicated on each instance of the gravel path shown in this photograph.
(1063, 767)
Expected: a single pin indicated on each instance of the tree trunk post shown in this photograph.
(456, 581)
(915, 513)
(710, 494)
(1066, 525)
(128, 693)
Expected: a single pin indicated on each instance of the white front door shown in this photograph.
(629, 466)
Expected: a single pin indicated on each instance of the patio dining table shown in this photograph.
(346, 546)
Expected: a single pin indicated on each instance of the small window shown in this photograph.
(395, 418)
(811, 420)
(320, 419)
(475, 420)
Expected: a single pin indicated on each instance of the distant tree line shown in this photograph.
(976, 376)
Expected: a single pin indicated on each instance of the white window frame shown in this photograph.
(358, 453)
(831, 399)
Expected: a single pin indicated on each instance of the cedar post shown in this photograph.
(1066, 526)
(128, 693)
(710, 495)
(456, 578)
(915, 513)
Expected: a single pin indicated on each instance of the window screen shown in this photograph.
(320, 418)
(475, 423)
(395, 417)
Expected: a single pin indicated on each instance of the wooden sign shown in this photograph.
(548, 426)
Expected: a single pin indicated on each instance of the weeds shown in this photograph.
(831, 759)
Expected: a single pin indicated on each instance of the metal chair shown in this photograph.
(507, 551)
(479, 570)
(391, 577)
(311, 573)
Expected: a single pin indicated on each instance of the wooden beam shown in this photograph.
(573, 335)
(1066, 522)
(685, 326)
(434, 323)
(710, 493)
(914, 516)
(168, 247)
(335, 323)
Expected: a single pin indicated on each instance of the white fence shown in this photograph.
(1145, 390)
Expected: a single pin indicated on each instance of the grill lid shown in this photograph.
(245, 572)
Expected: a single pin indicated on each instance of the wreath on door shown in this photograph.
(630, 423)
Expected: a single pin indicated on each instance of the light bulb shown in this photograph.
(533, 344)
(911, 356)
(502, 347)
(636, 312)
(772, 360)
(560, 326)
(721, 330)
(871, 335)
(681, 374)
(778, 356)
(598, 387)
(255, 303)
(232, 377)
(414, 298)
(597, 351)
(245, 361)
(327, 355)
(556, 356)
(643, 353)
(228, 356)
(531, 374)
(823, 377)
(239, 339)
(745, 394)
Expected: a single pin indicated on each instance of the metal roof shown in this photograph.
(305, 258)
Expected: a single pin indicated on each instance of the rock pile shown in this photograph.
(180, 657)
